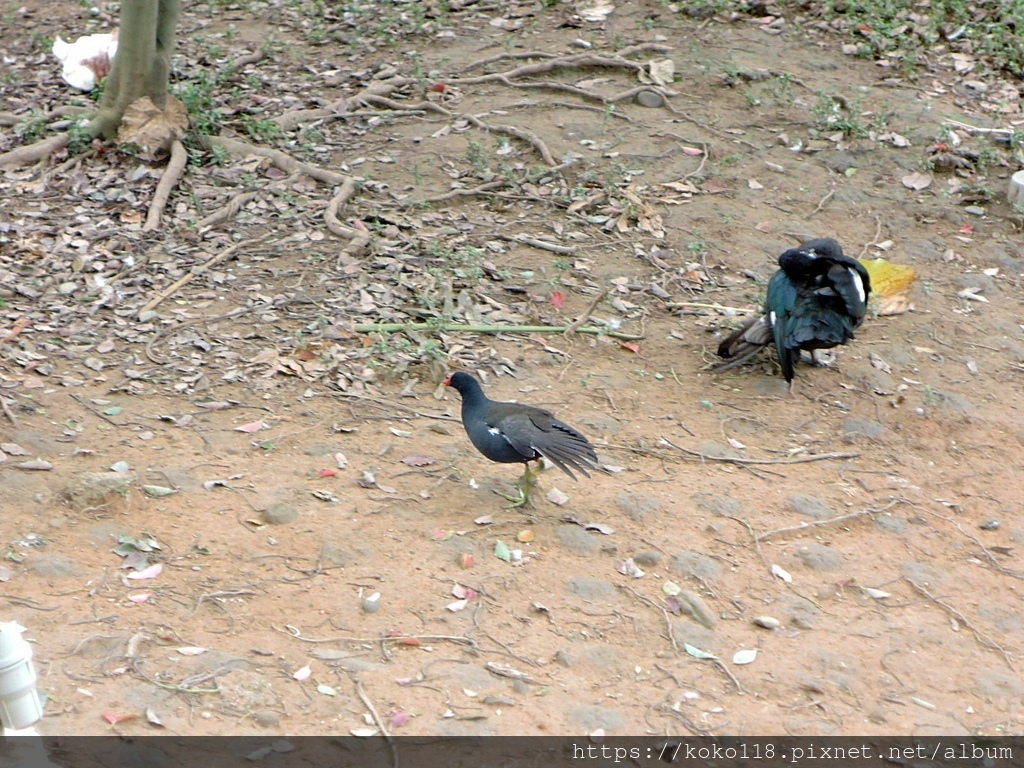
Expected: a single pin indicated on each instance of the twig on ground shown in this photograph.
(716, 306)
(194, 321)
(169, 180)
(821, 203)
(376, 718)
(544, 245)
(195, 272)
(456, 327)
(7, 410)
(978, 634)
(19, 325)
(579, 321)
(738, 460)
(819, 523)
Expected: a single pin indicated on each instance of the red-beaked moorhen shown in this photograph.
(511, 432)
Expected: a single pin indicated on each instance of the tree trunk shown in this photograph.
(143, 62)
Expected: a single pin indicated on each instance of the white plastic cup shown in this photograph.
(20, 705)
(1015, 191)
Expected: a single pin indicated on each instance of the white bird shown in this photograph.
(86, 60)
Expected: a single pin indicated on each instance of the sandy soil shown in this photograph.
(886, 489)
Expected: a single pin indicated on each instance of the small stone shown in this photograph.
(695, 565)
(767, 622)
(372, 603)
(974, 210)
(53, 566)
(649, 99)
(647, 558)
(145, 317)
(590, 588)
(280, 514)
(811, 506)
(990, 525)
(578, 540)
(267, 718)
(637, 505)
(818, 557)
(854, 428)
(693, 605)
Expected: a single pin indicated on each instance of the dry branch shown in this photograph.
(456, 327)
(738, 460)
(172, 173)
(195, 272)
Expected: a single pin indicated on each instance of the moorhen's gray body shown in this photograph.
(512, 432)
(815, 301)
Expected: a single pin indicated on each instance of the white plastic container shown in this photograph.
(20, 705)
(1015, 192)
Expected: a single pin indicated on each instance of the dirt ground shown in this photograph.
(288, 467)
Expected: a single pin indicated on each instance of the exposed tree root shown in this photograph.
(30, 154)
(284, 161)
(228, 211)
(359, 236)
(172, 173)
(566, 62)
(289, 120)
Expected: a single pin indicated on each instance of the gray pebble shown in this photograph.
(372, 603)
(695, 565)
(578, 540)
(650, 558)
(267, 718)
(694, 606)
(637, 505)
(811, 506)
(719, 505)
(767, 622)
(854, 428)
(890, 523)
(593, 717)
(798, 611)
(649, 99)
(590, 588)
(52, 566)
(280, 514)
(818, 557)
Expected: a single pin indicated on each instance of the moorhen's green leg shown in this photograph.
(525, 484)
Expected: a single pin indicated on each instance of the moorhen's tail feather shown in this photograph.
(745, 342)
